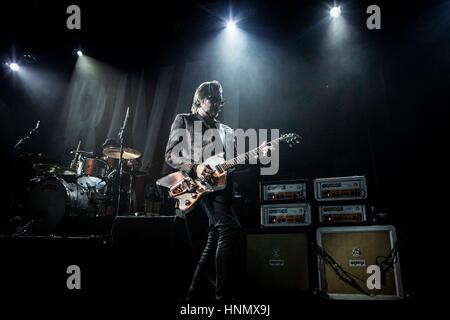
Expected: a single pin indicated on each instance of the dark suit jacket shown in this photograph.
(183, 151)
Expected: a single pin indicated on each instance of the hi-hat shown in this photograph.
(53, 169)
(81, 151)
(45, 167)
(64, 171)
(128, 153)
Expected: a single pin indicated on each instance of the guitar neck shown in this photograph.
(229, 164)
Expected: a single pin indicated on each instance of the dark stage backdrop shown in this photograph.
(352, 102)
(352, 108)
(365, 102)
(98, 96)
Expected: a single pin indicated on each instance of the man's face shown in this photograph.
(211, 105)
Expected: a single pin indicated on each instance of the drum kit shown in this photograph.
(70, 200)
(59, 197)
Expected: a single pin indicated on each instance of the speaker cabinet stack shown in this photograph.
(354, 260)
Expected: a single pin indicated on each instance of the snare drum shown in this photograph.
(92, 171)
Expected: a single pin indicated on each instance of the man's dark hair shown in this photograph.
(209, 89)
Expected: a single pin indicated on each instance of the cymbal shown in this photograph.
(81, 151)
(64, 171)
(53, 169)
(128, 153)
(45, 167)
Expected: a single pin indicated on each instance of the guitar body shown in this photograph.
(218, 180)
(187, 191)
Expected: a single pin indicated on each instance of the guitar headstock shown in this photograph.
(290, 138)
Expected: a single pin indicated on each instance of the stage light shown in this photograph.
(335, 12)
(28, 58)
(14, 66)
(79, 53)
(231, 25)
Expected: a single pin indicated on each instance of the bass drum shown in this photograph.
(52, 205)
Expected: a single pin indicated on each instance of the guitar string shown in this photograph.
(232, 162)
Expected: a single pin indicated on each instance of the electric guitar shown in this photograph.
(187, 190)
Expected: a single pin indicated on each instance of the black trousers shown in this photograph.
(222, 250)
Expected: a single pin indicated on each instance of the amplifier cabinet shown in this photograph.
(277, 263)
(355, 249)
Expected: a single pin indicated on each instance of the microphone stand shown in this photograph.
(119, 185)
(17, 188)
(19, 144)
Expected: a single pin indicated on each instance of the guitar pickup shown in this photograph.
(219, 169)
(181, 187)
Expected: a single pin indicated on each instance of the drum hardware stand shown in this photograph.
(76, 158)
(18, 145)
(121, 131)
(130, 203)
(23, 229)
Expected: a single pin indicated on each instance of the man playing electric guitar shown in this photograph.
(224, 235)
(209, 182)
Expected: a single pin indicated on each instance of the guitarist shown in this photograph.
(222, 249)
